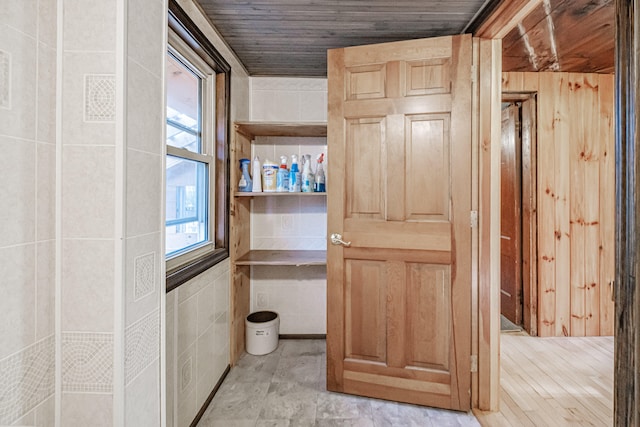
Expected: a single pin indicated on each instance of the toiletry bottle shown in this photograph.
(269, 172)
(320, 186)
(294, 175)
(245, 178)
(308, 179)
(257, 176)
(282, 179)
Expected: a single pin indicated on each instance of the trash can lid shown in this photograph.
(262, 316)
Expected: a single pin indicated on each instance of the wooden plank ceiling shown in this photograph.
(563, 35)
(291, 37)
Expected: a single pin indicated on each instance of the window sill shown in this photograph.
(184, 273)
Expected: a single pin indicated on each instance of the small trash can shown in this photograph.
(262, 329)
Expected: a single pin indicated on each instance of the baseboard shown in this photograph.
(202, 410)
(303, 336)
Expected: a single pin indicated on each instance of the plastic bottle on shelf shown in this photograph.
(257, 176)
(245, 183)
(320, 186)
(308, 179)
(282, 179)
(294, 175)
(269, 172)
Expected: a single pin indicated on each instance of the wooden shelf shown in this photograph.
(272, 194)
(280, 257)
(253, 129)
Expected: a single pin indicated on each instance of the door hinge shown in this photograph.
(474, 363)
(474, 219)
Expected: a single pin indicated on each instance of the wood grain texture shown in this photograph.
(405, 321)
(489, 95)
(627, 94)
(554, 382)
(560, 35)
(575, 188)
(279, 257)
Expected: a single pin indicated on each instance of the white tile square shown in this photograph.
(146, 25)
(144, 193)
(187, 323)
(206, 308)
(45, 190)
(18, 191)
(18, 303)
(19, 78)
(142, 300)
(83, 409)
(145, 110)
(87, 285)
(88, 191)
(89, 25)
(142, 408)
(20, 15)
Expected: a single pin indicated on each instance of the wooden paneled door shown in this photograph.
(511, 217)
(399, 287)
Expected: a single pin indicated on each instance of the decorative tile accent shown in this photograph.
(99, 98)
(5, 80)
(28, 379)
(87, 362)
(142, 345)
(144, 271)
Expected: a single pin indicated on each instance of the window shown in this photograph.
(197, 171)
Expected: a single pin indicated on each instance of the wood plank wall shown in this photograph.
(576, 200)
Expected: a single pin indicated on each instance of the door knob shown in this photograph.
(336, 239)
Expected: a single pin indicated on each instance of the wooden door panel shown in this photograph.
(427, 172)
(364, 162)
(428, 316)
(366, 82)
(366, 310)
(427, 77)
(399, 297)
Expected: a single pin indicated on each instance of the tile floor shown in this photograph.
(287, 388)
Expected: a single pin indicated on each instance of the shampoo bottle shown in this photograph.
(294, 175)
(257, 176)
(320, 186)
(282, 179)
(308, 180)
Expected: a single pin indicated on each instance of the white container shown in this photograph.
(262, 329)
(269, 176)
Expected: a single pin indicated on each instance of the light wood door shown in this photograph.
(510, 217)
(399, 141)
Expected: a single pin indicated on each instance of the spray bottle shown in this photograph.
(308, 179)
(320, 186)
(282, 179)
(245, 180)
(294, 175)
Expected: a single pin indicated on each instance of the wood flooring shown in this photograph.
(554, 382)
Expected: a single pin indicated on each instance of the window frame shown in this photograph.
(215, 139)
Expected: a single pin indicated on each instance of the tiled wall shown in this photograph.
(197, 313)
(88, 214)
(142, 195)
(27, 194)
(197, 342)
(297, 294)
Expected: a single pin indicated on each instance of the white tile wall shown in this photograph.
(27, 109)
(288, 99)
(298, 294)
(197, 341)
